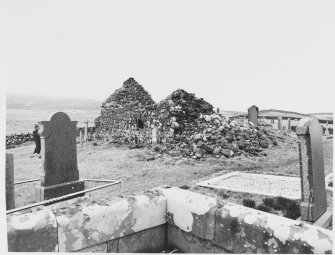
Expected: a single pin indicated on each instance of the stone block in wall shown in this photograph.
(245, 230)
(151, 240)
(32, 232)
(188, 243)
(85, 223)
(98, 248)
(191, 212)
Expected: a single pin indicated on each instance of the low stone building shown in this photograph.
(187, 125)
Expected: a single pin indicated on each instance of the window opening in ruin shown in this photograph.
(140, 124)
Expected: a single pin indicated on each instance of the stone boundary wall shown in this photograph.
(159, 219)
(18, 139)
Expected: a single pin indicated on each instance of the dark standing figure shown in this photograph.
(37, 139)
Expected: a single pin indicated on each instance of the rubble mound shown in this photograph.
(216, 135)
(178, 113)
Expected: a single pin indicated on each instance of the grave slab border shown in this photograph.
(205, 183)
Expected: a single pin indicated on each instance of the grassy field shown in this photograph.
(132, 166)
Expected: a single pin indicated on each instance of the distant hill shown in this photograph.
(277, 113)
(24, 102)
(285, 114)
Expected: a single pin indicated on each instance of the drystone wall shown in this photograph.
(162, 218)
(19, 139)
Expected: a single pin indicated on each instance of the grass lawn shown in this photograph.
(115, 162)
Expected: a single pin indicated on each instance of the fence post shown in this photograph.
(10, 194)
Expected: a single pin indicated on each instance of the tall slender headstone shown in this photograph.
(313, 189)
(60, 174)
(218, 110)
(253, 114)
(86, 132)
(280, 123)
(81, 138)
(10, 195)
(289, 125)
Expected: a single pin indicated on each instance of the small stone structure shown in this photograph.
(313, 190)
(10, 194)
(253, 114)
(280, 123)
(60, 175)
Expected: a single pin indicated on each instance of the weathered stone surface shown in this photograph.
(59, 150)
(86, 224)
(45, 193)
(244, 230)
(32, 232)
(253, 114)
(289, 125)
(59, 156)
(10, 194)
(155, 136)
(280, 123)
(314, 197)
(99, 248)
(151, 240)
(112, 245)
(188, 243)
(190, 211)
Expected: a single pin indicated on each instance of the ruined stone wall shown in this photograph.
(126, 116)
(159, 219)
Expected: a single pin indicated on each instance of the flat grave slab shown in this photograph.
(267, 185)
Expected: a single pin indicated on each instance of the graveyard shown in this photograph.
(174, 176)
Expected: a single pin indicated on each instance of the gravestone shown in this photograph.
(280, 123)
(10, 195)
(86, 132)
(313, 190)
(155, 136)
(81, 138)
(289, 125)
(60, 175)
(327, 129)
(218, 110)
(253, 114)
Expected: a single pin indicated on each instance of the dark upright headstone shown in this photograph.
(10, 195)
(60, 175)
(253, 114)
(313, 189)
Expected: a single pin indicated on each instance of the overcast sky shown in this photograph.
(275, 54)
